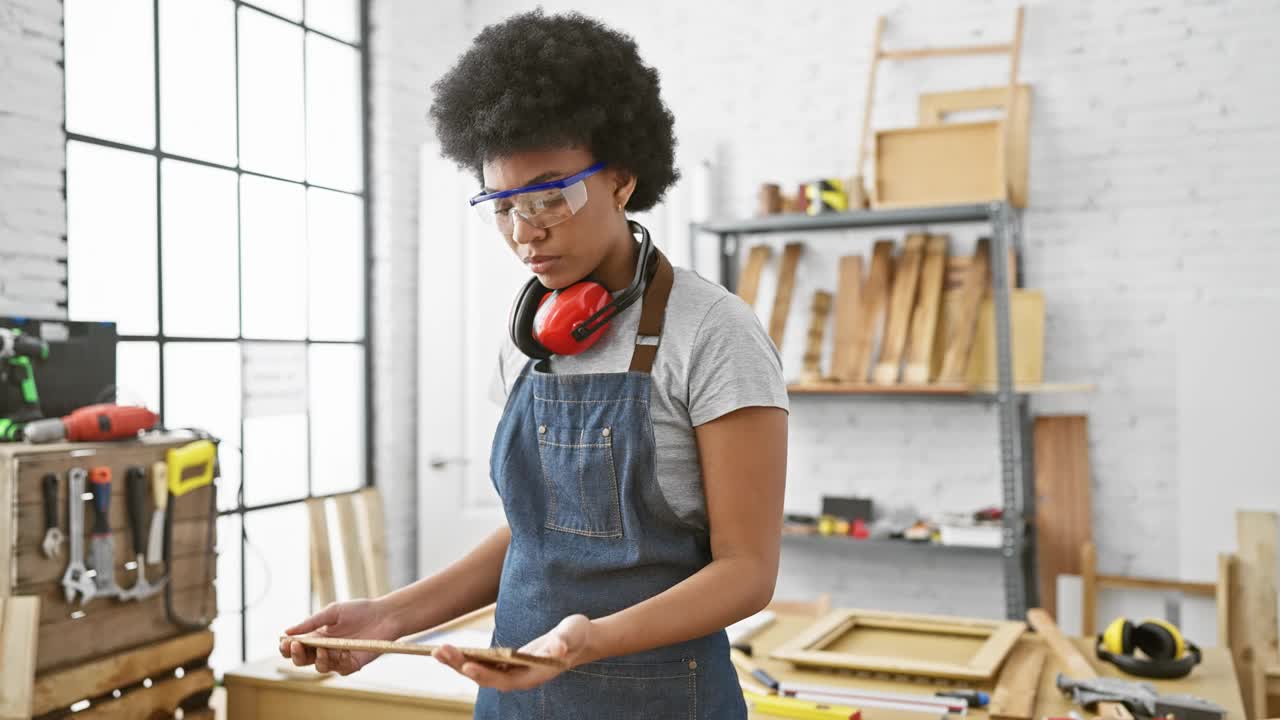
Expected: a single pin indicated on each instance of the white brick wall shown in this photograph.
(32, 159)
(1154, 133)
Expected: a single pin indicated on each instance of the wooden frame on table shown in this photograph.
(810, 647)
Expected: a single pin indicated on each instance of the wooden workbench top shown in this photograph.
(1213, 680)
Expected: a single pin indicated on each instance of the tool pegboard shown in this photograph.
(79, 631)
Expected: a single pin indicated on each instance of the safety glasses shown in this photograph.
(542, 205)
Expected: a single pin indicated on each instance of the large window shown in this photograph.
(216, 211)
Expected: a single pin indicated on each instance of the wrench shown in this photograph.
(74, 580)
(53, 537)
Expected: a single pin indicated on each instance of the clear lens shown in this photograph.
(541, 209)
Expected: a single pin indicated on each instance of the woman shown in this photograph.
(641, 463)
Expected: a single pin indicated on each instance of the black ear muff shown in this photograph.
(1159, 641)
(523, 311)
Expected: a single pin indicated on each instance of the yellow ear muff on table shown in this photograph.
(1168, 655)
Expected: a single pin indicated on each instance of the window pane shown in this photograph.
(110, 70)
(198, 79)
(277, 575)
(335, 255)
(275, 459)
(200, 260)
(202, 389)
(271, 126)
(111, 237)
(226, 626)
(339, 18)
(138, 374)
(333, 114)
(273, 269)
(337, 379)
(291, 9)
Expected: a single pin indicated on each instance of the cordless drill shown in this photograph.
(19, 399)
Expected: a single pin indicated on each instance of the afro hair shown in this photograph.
(534, 82)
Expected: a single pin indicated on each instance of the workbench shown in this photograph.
(258, 691)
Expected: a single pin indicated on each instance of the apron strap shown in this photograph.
(652, 314)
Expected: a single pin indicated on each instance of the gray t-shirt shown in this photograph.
(714, 358)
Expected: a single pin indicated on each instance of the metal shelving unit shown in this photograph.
(1014, 418)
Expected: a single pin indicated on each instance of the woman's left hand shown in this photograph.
(567, 642)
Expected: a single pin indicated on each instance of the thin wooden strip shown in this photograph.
(1077, 667)
(492, 656)
(956, 51)
(19, 618)
(1226, 570)
(875, 294)
(938, 627)
(1015, 694)
(322, 584)
(162, 697)
(349, 531)
(786, 285)
(870, 98)
(848, 299)
(818, 313)
(906, 278)
(373, 542)
(59, 690)
(749, 278)
(924, 320)
(1128, 582)
(961, 336)
(1064, 507)
(1089, 590)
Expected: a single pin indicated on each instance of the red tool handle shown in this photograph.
(108, 422)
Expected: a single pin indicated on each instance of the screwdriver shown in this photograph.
(974, 698)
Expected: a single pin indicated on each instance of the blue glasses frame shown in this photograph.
(549, 185)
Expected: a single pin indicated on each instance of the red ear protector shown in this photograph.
(567, 321)
(1168, 654)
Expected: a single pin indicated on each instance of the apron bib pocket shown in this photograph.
(581, 481)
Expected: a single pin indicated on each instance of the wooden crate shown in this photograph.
(948, 164)
(71, 635)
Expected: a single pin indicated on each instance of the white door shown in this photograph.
(467, 280)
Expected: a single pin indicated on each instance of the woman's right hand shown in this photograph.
(362, 619)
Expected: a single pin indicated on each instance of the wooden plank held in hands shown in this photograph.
(848, 300)
(960, 338)
(749, 278)
(902, 300)
(819, 312)
(875, 294)
(1074, 664)
(924, 320)
(489, 656)
(786, 284)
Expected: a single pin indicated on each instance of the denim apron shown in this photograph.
(574, 461)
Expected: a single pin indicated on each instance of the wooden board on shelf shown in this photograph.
(19, 620)
(1026, 316)
(786, 285)
(934, 108)
(848, 300)
(749, 279)
(953, 164)
(906, 278)
(875, 294)
(898, 643)
(960, 334)
(818, 312)
(924, 319)
(1064, 510)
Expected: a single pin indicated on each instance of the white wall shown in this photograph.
(1152, 161)
(32, 159)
